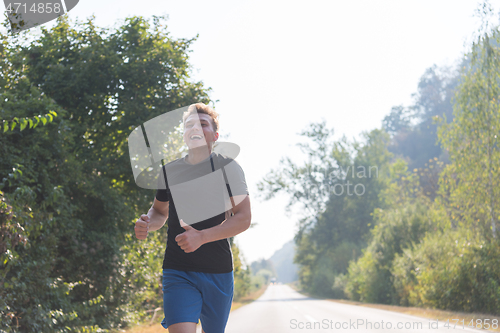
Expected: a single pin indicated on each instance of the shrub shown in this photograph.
(451, 271)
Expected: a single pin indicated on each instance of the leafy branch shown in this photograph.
(32, 122)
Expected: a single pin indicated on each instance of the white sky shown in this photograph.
(276, 66)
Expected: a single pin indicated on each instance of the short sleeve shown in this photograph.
(162, 192)
(236, 179)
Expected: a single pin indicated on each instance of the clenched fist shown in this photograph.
(142, 227)
(190, 240)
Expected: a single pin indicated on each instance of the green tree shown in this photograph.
(398, 120)
(402, 224)
(339, 188)
(413, 132)
(452, 267)
(76, 199)
(242, 278)
(470, 185)
(258, 265)
(32, 172)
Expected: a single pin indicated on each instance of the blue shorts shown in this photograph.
(189, 296)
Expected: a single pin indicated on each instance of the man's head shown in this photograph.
(203, 109)
(200, 126)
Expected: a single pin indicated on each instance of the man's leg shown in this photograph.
(186, 327)
(217, 292)
(182, 302)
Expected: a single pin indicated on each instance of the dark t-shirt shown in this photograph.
(202, 195)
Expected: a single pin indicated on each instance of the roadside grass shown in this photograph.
(252, 296)
(431, 314)
(157, 328)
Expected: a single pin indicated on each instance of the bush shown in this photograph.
(370, 278)
(242, 280)
(451, 271)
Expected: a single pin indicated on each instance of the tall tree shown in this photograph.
(338, 188)
(414, 135)
(471, 183)
(76, 199)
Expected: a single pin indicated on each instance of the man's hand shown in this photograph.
(142, 227)
(190, 240)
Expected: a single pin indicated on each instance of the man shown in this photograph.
(197, 269)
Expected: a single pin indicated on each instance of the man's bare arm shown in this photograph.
(154, 220)
(192, 239)
(158, 214)
(234, 225)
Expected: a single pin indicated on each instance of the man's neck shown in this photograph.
(198, 155)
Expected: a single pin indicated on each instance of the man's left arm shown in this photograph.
(192, 239)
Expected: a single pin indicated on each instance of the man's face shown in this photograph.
(199, 131)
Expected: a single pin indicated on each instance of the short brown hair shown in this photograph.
(202, 108)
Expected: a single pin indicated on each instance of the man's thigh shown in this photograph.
(188, 296)
(217, 291)
(182, 300)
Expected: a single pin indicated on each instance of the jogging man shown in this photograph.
(198, 280)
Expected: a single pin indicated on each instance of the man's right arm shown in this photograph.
(154, 220)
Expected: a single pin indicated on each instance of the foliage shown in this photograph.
(427, 237)
(456, 267)
(413, 131)
(141, 269)
(98, 75)
(398, 120)
(307, 185)
(35, 170)
(266, 274)
(262, 264)
(69, 259)
(338, 189)
(257, 282)
(261, 272)
(242, 277)
(435, 245)
(31, 122)
(371, 278)
(401, 225)
(470, 185)
(450, 270)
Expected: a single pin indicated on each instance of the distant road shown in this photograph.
(281, 309)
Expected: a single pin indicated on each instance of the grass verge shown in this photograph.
(249, 298)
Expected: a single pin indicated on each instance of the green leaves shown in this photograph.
(77, 178)
(338, 220)
(31, 122)
(470, 185)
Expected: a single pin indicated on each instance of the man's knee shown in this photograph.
(185, 327)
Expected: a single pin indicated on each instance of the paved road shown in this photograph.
(281, 309)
